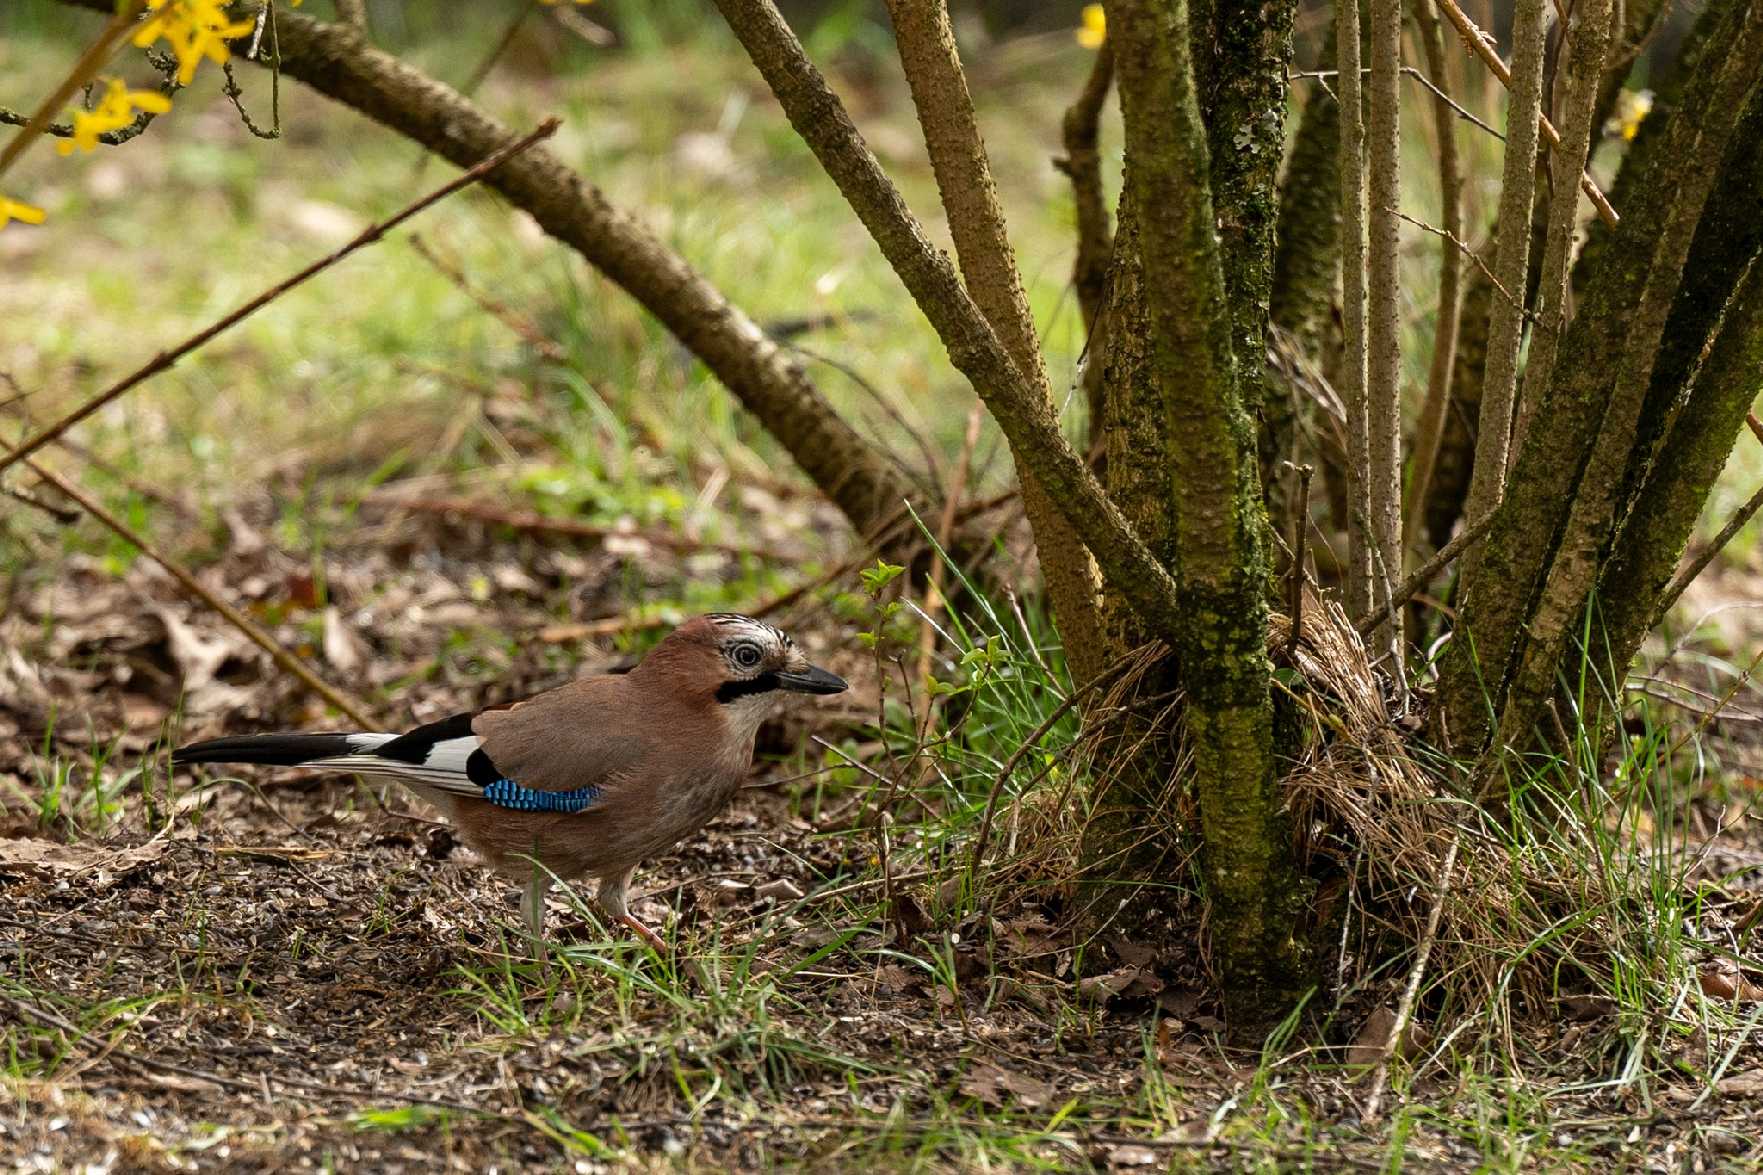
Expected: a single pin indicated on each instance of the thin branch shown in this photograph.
(932, 63)
(1354, 360)
(354, 709)
(1482, 45)
(1463, 248)
(1412, 586)
(1083, 163)
(1300, 548)
(541, 524)
(1590, 36)
(353, 12)
(1027, 421)
(509, 317)
(1429, 435)
(166, 359)
(1740, 518)
(1493, 436)
(1383, 396)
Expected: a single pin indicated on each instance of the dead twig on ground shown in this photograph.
(166, 359)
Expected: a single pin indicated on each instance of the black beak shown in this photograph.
(812, 680)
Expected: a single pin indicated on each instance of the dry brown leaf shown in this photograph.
(1370, 1046)
(1746, 1084)
(1723, 981)
(53, 859)
(1124, 981)
(990, 1084)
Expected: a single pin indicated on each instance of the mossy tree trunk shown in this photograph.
(1214, 497)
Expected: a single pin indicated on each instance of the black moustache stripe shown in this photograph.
(734, 691)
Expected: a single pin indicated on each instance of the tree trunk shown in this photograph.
(1220, 565)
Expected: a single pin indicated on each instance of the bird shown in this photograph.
(587, 779)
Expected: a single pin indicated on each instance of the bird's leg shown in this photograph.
(612, 899)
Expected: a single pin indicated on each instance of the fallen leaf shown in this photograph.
(780, 888)
(53, 859)
(990, 1084)
(1373, 1041)
(1131, 1154)
(1723, 981)
(1746, 1084)
(198, 658)
(1124, 981)
(343, 648)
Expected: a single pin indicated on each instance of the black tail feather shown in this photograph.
(282, 750)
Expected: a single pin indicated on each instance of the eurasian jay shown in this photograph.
(587, 779)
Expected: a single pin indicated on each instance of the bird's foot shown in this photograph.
(644, 933)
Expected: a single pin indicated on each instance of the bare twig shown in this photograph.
(353, 12)
(932, 64)
(1025, 418)
(1590, 40)
(1487, 482)
(166, 359)
(1353, 370)
(509, 317)
(1411, 587)
(1300, 546)
(1431, 430)
(1740, 518)
(1383, 380)
(354, 709)
(1083, 163)
(1463, 248)
(1481, 44)
(1405, 1008)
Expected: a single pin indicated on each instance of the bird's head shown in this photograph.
(740, 661)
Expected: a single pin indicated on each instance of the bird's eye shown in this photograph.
(746, 656)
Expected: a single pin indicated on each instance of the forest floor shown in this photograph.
(281, 970)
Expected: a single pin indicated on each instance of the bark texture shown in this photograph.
(1430, 431)
(1542, 553)
(1383, 378)
(1220, 564)
(1697, 405)
(1351, 380)
(1493, 432)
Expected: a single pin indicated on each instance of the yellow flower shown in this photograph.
(115, 111)
(194, 28)
(18, 210)
(1094, 29)
(1632, 109)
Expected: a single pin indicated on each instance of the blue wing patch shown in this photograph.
(505, 793)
